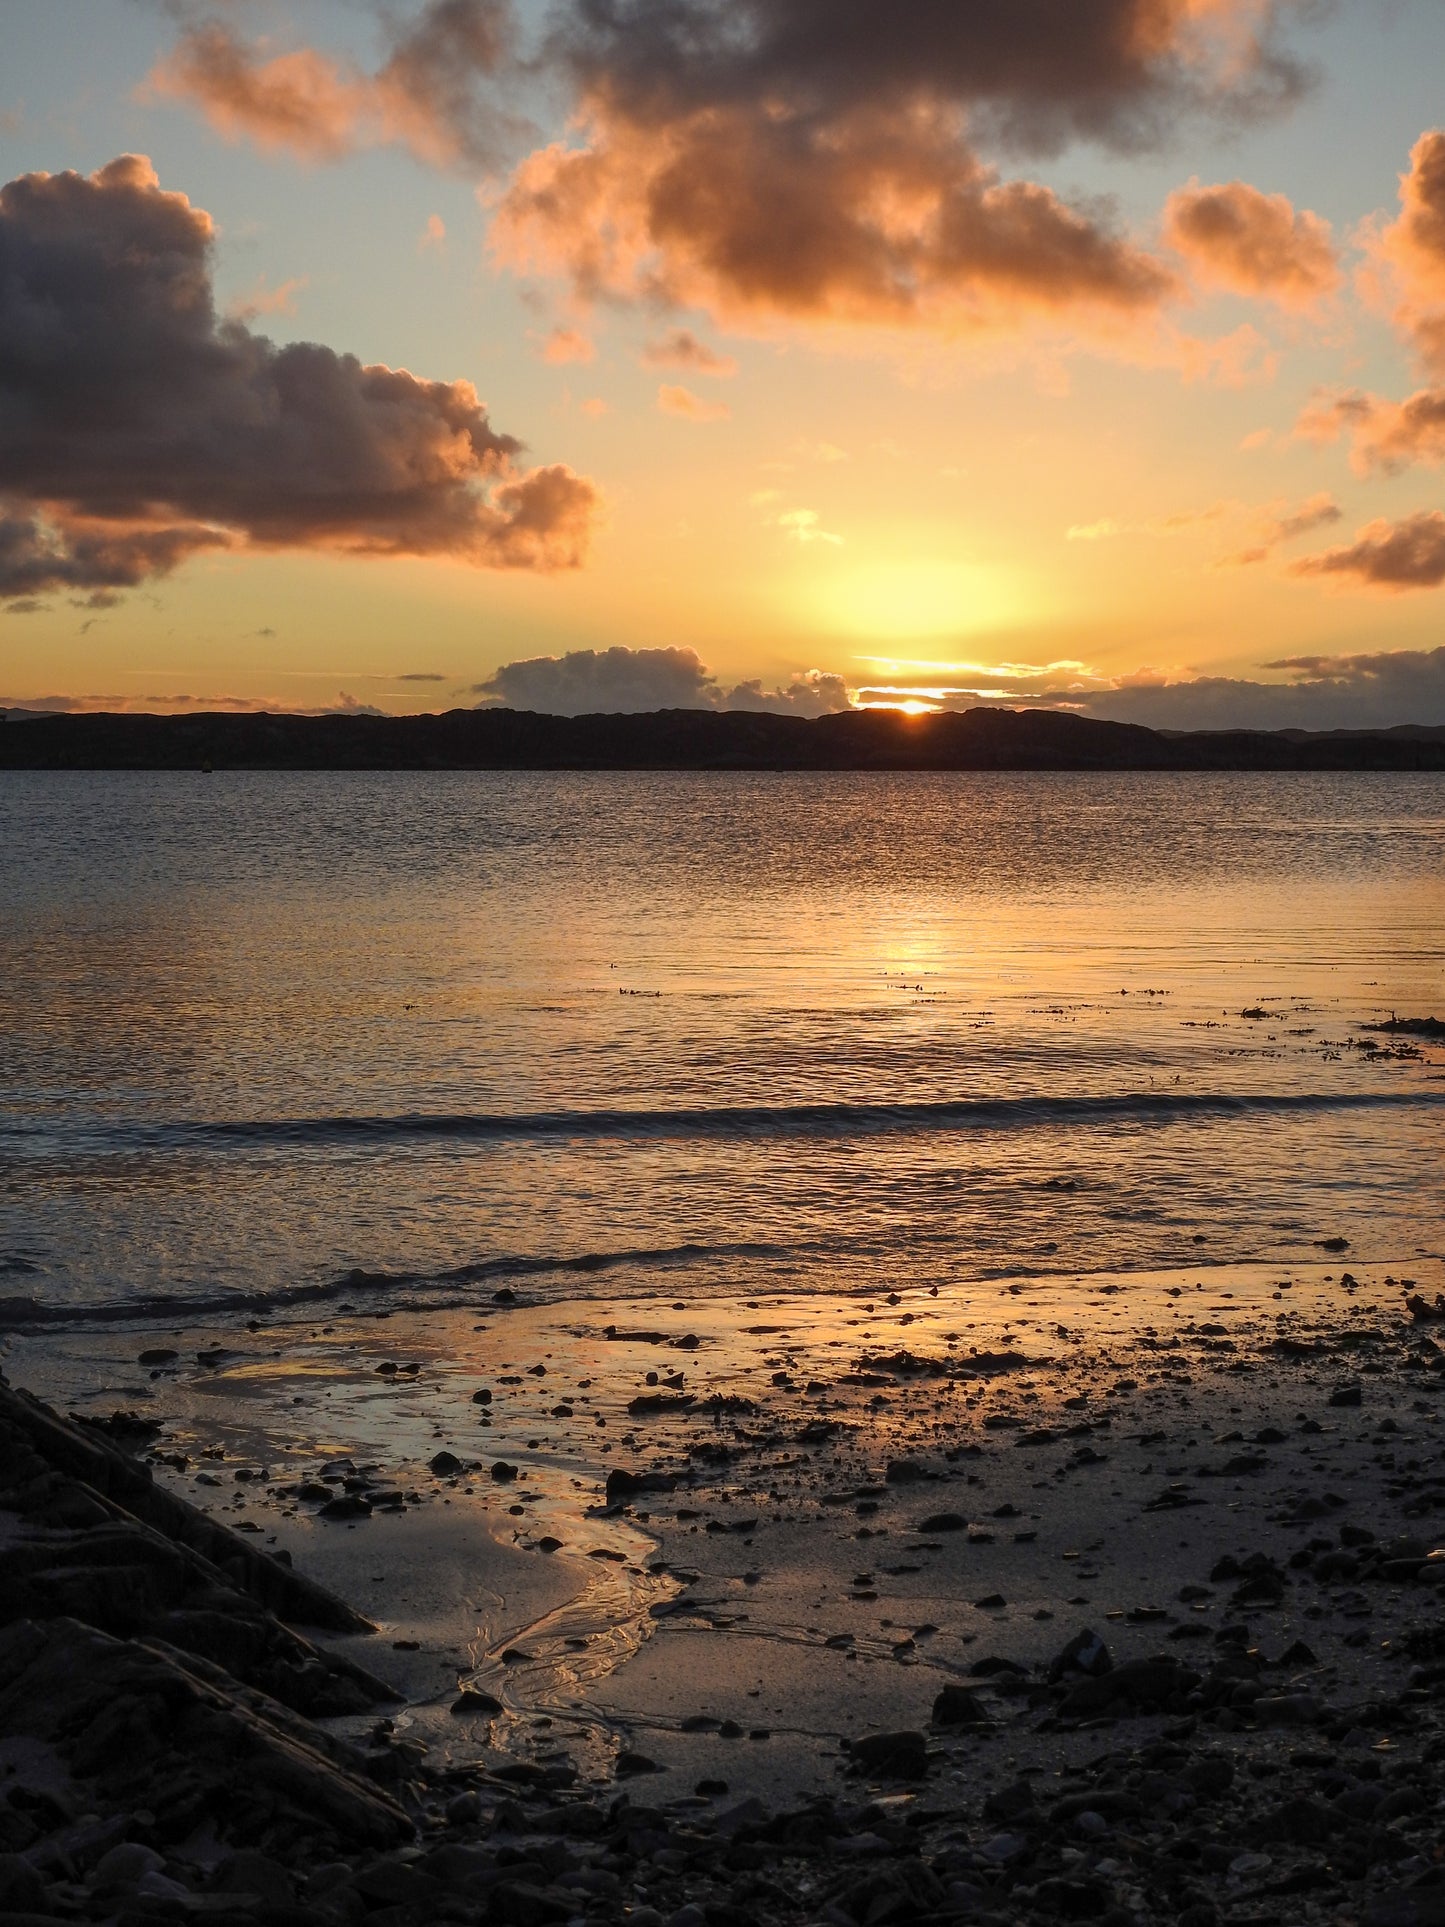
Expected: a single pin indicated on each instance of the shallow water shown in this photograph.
(632, 1033)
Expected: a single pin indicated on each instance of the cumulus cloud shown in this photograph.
(436, 93)
(587, 682)
(874, 217)
(1395, 556)
(681, 349)
(136, 428)
(1250, 243)
(1409, 255)
(821, 160)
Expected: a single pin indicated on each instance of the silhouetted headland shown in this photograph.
(676, 739)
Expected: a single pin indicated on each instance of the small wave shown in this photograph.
(19, 1313)
(741, 1121)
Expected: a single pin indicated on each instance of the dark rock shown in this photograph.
(22, 1891)
(473, 1700)
(629, 1764)
(446, 1465)
(623, 1486)
(904, 1472)
(890, 1756)
(1347, 1395)
(942, 1522)
(957, 1706)
(1085, 1653)
(503, 1473)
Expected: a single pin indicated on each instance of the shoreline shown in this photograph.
(796, 1564)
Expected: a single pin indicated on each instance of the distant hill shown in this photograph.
(701, 739)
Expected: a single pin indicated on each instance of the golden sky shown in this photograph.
(786, 353)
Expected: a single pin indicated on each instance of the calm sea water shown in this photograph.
(610, 1033)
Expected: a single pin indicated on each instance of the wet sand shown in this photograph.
(844, 1505)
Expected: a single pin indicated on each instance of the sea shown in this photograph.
(272, 1040)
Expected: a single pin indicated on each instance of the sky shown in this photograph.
(789, 354)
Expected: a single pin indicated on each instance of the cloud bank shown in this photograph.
(587, 682)
(137, 428)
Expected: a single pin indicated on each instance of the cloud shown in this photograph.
(1379, 691)
(264, 299)
(629, 681)
(805, 525)
(138, 429)
(567, 344)
(436, 94)
(882, 218)
(1319, 512)
(1385, 436)
(433, 237)
(1250, 243)
(821, 160)
(682, 349)
(690, 407)
(1394, 556)
(1408, 256)
(421, 675)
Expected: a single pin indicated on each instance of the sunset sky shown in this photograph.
(623, 353)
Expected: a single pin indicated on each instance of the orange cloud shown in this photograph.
(264, 299)
(429, 96)
(690, 407)
(567, 344)
(756, 217)
(1385, 436)
(1411, 252)
(1393, 556)
(1237, 238)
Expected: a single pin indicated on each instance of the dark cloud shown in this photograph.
(1040, 72)
(1408, 554)
(1379, 691)
(434, 94)
(628, 681)
(37, 555)
(136, 428)
(821, 159)
(1235, 237)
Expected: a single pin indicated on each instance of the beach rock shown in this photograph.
(472, 1700)
(942, 1522)
(22, 1891)
(890, 1756)
(446, 1465)
(623, 1486)
(157, 1729)
(958, 1706)
(503, 1473)
(1085, 1653)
